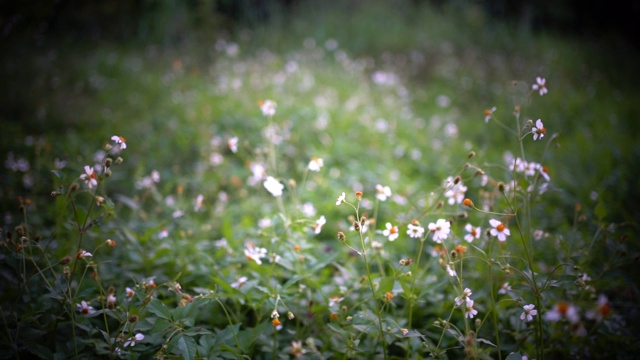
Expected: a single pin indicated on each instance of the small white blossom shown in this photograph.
(540, 85)
(382, 192)
(472, 232)
(415, 231)
(315, 164)
(89, 177)
(529, 312)
(273, 186)
(317, 227)
(538, 131)
(119, 140)
(440, 229)
(255, 253)
(391, 232)
(84, 308)
(499, 230)
(268, 107)
(133, 340)
(341, 199)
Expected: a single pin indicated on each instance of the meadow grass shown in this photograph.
(212, 235)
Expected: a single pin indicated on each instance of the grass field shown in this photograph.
(179, 191)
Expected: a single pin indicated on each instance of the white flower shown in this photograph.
(199, 203)
(317, 227)
(529, 312)
(268, 107)
(451, 271)
(499, 230)
(538, 234)
(471, 312)
(341, 199)
(233, 144)
(133, 340)
(464, 298)
(90, 177)
(84, 308)
(111, 301)
(505, 288)
(273, 186)
(255, 253)
(120, 141)
(540, 85)
(391, 232)
(240, 282)
(488, 114)
(415, 231)
(473, 232)
(538, 131)
(563, 310)
(315, 164)
(455, 191)
(440, 230)
(129, 293)
(83, 254)
(382, 192)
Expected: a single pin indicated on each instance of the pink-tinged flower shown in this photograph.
(465, 297)
(255, 253)
(488, 114)
(133, 340)
(504, 288)
(341, 199)
(84, 308)
(529, 312)
(470, 312)
(414, 230)
(268, 107)
(539, 130)
(89, 177)
(540, 85)
(240, 282)
(119, 140)
(199, 203)
(472, 232)
(382, 192)
(335, 300)
(499, 230)
(455, 191)
(129, 293)
(273, 186)
(83, 254)
(315, 164)
(391, 232)
(602, 310)
(563, 310)
(317, 227)
(440, 230)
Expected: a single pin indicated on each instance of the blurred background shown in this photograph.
(80, 71)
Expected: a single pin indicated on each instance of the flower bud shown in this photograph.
(341, 236)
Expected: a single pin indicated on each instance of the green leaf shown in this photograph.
(386, 284)
(600, 210)
(159, 309)
(187, 347)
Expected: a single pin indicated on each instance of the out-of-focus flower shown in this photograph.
(315, 164)
(84, 308)
(341, 199)
(255, 253)
(488, 114)
(273, 186)
(382, 192)
(133, 340)
(317, 227)
(472, 232)
(268, 107)
(540, 85)
(119, 140)
(414, 230)
(563, 310)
